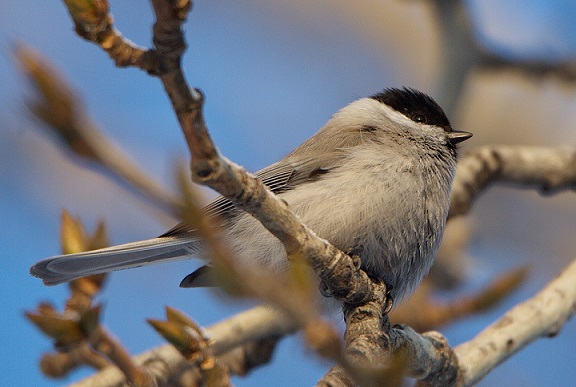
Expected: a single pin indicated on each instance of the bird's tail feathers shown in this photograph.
(64, 268)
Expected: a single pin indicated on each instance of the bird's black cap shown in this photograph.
(415, 105)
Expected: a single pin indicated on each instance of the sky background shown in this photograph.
(273, 73)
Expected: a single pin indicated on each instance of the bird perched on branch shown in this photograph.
(374, 181)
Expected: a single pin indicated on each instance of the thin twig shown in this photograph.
(58, 106)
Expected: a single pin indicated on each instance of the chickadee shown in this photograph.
(374, 181)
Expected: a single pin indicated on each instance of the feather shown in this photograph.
(64, 268)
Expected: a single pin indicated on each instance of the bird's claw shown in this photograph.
(389, 300)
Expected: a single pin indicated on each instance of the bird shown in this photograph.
(374, 181)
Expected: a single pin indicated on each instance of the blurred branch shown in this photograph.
(564, 69)
(59, 107)
(541, 316)
(77, 332)
(250, 326)
(452, 264)
(460, 51)
(60, 364)
(545, 168)
(423, 314)
(462, 54)
(242, 360)
(189, 339)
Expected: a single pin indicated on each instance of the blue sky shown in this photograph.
(272, 76)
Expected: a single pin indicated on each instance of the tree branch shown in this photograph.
(565, 69)
(252, 325)
(541, 316)
(545, 168)
(93, 22)
(59, 107)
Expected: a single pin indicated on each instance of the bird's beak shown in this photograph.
(457, 136)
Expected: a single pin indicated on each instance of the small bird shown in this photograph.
(375, 181)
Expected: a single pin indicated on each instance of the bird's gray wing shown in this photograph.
(178, 243)
(279, 177)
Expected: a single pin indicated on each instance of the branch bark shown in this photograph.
(543, 315)
(547, 169)
(165, 361)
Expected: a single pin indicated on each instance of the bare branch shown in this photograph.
(93, 22)
(545, 168)
(460, 50)
(252, 325)
(427, 354)
(336, 377)
(426, 357)
(541, 316)
(564, 69)
(61, 109)
(242, 360)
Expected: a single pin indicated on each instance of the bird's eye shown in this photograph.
(421, 118)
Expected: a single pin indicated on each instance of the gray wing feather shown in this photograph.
(279, 177)
(64, 268)
(179, 242)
